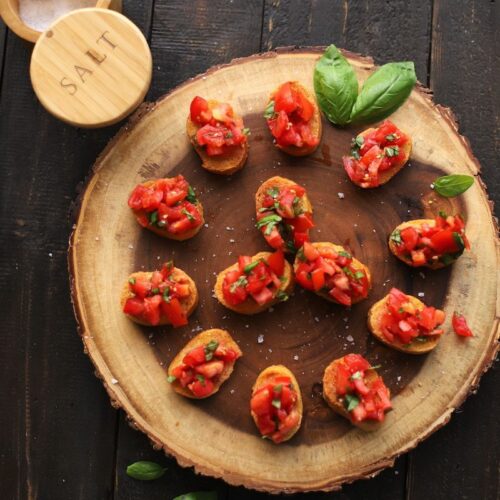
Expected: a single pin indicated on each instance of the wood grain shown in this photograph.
(146, 396)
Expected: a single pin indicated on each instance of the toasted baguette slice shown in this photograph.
(336, 402)
(164, 233)
(225, 164)
(387, 175)
(250, 306)
(316, 127)
(415, 223)
(224, 339)
(188, 304)
(267, 376)
(359, 266)
(416, 347)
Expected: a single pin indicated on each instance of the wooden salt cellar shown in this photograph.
(91, 68)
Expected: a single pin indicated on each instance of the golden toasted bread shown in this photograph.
(387, 175)
(416, 347)
(336, 402)
(188, 304)
(437, 264)
(163, 232)
(224, 339)
(359, 266)
(267, 376)
(225, 164)
(315, 123)
(250, 306)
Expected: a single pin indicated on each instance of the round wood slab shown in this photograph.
(217, 436)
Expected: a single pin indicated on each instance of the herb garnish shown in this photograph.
(145, 471)
(248, 268)
(269, 112)
(345, 254)
(153, 218)
(201, 379)
(171, 378)
(276, 403)
(210, 349)
(189, 215)
(131, 281)
(241, 281)
(191, 196)
(453, 185)
(350, 402)
(396, 237)
(391, 151)
(282, 296)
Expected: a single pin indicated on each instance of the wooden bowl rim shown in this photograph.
(120, 400)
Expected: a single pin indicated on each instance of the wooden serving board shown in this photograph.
(217, 436)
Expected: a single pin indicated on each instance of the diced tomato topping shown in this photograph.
(443, 241)
(168, 205)
(290, 123)
(364, 394)
(405, 322)
(375, 152)
(276, 262)
(460, 326)
(321, 269)
(201, 387)
(199, 111)
(158, 296)
(275, 407)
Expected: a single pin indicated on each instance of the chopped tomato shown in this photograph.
(276, 262)
(375, 152)
(199, 111)
(134, 307)
(173, 311)
(460, 326)
(195, 356)
(290, 123)
(201, 387)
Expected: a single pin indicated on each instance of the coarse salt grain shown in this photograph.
(421, 294)
(260, 339)
(341, 195)
(114, 381)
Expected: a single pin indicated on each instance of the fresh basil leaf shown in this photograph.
(384, 91)
(459, 241)
(131, 281)
(453, 185)
(356, 376)
(198, 495)
(145, 471)
(391, 151)
(246, 131)
(336, 86)
(396, 237)
(249, 267)
(269, 111)
(345, 254)
(210, 349)
(282, 296)
(276, 403)
(350, 402)
(266, 220)
(191, 196)
(171, 378)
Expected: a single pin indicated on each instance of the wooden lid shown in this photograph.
(91, 68)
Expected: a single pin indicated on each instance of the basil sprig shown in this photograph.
(453, 185)
(335, 85)
(350, 402)
(145, 471)
(384, 92)
(336, 89)
(198, 495)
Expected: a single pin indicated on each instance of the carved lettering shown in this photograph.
(82, 72)
(95, 56)
(109, 42)
(68, 85)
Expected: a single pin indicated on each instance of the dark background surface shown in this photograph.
(59, 436)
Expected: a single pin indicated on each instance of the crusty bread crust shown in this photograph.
(163, 232)
(188, 304)
(316, 127)
(225, 164)
(387, 175)
(414, 223)
(265, 377)
(374, 316)
(224, 339)
(250, 306)
(359, 266)
(336, 402)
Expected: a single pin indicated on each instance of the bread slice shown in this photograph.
(359, 266)
(416, 224)
(316, 127)
(250, 306)
(188, 304)
(336, 402)
(225, 164)
(387, 175)
(416, 347)
(267, 376)
(163, 232)
(224, 339)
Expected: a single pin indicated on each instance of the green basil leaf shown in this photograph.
(191, 196)
(198, 495)
(145, 471)
(384, 91)
(350, 402)
(336, 86)
(453, 185)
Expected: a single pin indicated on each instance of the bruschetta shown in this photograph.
(168, 207)
(332, 273)
(276, 404)
(256, 283)
(204, 364)
(377, 155)
(405, 323)
(164, 297)
(218, 135)
(294, 119)
(284, 214)
(433, 243)
(353, 389)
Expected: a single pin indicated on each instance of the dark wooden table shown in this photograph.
(59, 436)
